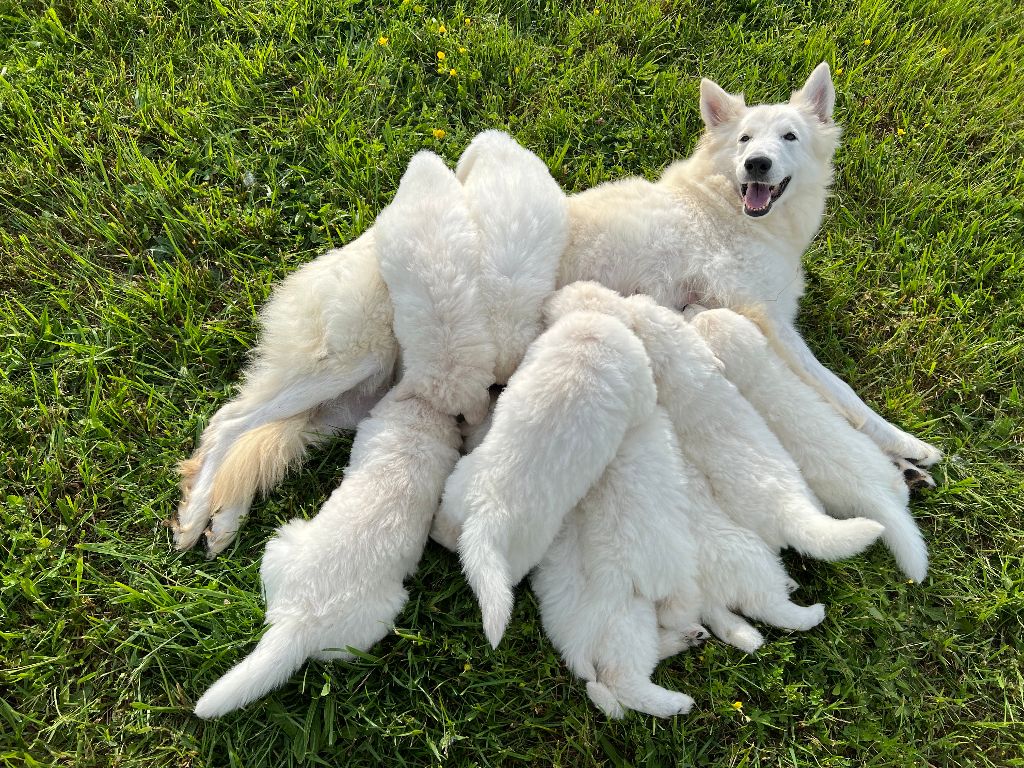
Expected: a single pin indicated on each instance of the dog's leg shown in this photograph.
(895, 442)
(244, 439)
(732, 629)
(783, 613)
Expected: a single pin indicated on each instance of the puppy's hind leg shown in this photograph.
(787, 615)
(732, 629)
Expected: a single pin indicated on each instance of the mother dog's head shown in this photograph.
(772, 153)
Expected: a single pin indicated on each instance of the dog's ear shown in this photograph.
(717, 106)
(818, 93)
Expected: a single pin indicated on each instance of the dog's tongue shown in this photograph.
(757, 196)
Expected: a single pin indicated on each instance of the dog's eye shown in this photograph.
(789, 136)
(744, 139)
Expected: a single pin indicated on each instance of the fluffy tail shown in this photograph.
(487, 571)
(280, 652)
(260, 458)
(813, 533)
(904, 540)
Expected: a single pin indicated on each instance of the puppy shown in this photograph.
(557, 425)
(626, 546)
(430, 257)
(844, 468)
(754, 479)
(523, 221)
(335, 581)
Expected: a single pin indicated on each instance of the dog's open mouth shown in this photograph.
(758, 198)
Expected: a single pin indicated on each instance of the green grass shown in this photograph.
(162, 164)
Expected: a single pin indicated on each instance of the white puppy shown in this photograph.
(335, 581)
(845, 469)
(430, 259)
(754, 479)
(522, 217)
(556, 427)
(626, 546)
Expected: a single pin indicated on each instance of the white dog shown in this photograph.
(335, 581)
(846, 471)
(557, 425)
(752, 475)
(727, 228)
(626, 546)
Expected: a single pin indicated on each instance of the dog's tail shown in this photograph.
(261, 457)
(279, 653)
(812, 532)
(487, 570)
(904, 540)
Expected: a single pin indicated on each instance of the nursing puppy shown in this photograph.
(625, 547)
(523, 221)
(335, 581)
(752, 476)
(557, 425)
(846, 471)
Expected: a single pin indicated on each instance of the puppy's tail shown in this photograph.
(487, 571)
(814, 533)
(279, 653)
(904, 540)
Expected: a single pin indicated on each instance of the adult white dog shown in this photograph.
(727, 227)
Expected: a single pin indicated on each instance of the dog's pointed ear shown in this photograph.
(818, 93)
(717, 106)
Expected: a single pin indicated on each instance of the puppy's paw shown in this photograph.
(744, 637)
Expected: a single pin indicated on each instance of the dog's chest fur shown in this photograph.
(682, 243)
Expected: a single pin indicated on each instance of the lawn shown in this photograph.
(163, 163)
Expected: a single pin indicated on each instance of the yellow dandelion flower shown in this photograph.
(944, 51)
(440, 55)
(737, 705)
(439, 133)
(382, 40)
(901, 132)
(452, 72)
(461, 49)
(442, 29)
(839, 71)
(597, 11)
(868, 41)
(468, 21)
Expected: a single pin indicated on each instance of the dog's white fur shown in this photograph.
(846, 470)
(557, 425)
(327, 350)
(430, 258)
(335, 581)
(753, 477)
(523, 220)
(626, 546)
(687, 238)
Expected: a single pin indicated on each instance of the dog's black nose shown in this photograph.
(758, 166)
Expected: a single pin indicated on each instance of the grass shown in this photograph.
(162, 164)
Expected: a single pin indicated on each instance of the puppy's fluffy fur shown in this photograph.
(753, 477)
(626, 546)
(557, 425)
(336, 581)
(846, 470)
(430, 258)
(523, 220)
